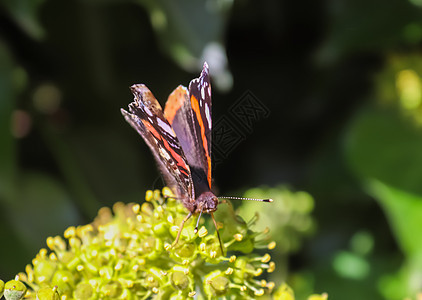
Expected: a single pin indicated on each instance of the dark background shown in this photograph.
(335, 121)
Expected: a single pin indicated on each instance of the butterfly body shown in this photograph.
(180, 140)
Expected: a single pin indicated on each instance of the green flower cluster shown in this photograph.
(128, 255)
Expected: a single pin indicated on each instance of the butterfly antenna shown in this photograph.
(197, 222)
(180, 229)
(218, 233)
(243, 198)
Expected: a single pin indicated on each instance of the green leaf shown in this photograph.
(384, 146)
(25, 13)
(404, 211)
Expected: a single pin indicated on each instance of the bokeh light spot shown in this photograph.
(362, 243)
(47, 98)
(350, 265)
(21, 123)
(409, 88)
(158, 19)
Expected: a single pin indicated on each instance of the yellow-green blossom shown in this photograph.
(126, 253)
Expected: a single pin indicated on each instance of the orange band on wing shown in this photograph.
(174, 155)
(195, 107)
(151, 129)
(174, 103)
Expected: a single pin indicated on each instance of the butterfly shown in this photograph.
(180, 140)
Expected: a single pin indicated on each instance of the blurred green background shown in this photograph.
(340, 81)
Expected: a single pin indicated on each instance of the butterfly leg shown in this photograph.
(218, 233)
(180, 229)
(197, 222)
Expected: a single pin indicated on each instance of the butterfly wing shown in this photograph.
(200, 101)
(180, 116)
(189, 113)
(146, 117)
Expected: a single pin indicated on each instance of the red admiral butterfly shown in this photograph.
(180, 139)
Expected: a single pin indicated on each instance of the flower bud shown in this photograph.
(111, 290)
(179, 280)
(284, 292)
(48, 293)
(64, 280)
(14, 290)
(44, 270)
(84, 291)
(216, 284)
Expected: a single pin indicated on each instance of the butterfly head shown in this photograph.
(206, 202)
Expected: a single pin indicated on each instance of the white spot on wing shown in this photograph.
(208, 115)
(165, 126)
(164, 154)
(149, 113)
